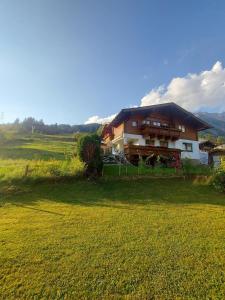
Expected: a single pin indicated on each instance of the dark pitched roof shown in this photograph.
(197, 122)
(219, 149)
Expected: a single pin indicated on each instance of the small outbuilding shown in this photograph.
(205, 147)
(216, 155)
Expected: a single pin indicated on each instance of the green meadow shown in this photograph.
(38, 157)
(36, 147)
(114, 238)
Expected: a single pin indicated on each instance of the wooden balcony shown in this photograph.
(160, 132)
(130, 150)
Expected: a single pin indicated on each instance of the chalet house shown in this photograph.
(165, 130)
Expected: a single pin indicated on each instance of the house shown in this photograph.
(205, 146)
(216, 155)
(166, 130)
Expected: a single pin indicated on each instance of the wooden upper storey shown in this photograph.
(168, 121)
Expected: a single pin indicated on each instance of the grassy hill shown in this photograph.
(37, 146)
(38, 156)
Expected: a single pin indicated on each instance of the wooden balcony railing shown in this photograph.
(148, 150)
(156, 131)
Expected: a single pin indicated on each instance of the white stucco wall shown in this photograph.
(171, 144)
(118, 145)
(138, 140)
(204, 157)
(195, 154)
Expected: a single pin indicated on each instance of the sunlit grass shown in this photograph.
(22, 170)
(37, 147)
(108, 239)
(37, 157)
(127, 239)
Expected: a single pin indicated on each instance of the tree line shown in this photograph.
(218, 140)
(31, 125)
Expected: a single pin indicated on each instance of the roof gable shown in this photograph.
(170, 107)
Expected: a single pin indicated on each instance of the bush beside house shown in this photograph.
(218, 180)
(89, 152)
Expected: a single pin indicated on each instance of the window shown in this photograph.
(164, 144)
(150, 142)
(145, 122)
(156, 123)
(181, 127)
(187, 147)
(134, 123)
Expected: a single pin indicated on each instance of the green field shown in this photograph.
(144, 239)
(36, 147)
(37, 157)
(108, 239)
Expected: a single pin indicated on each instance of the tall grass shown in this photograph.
(36, 169)
(195, 169)
(188, 168)
(130, 170)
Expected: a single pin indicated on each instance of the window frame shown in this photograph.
(185, 145)
(181, 128)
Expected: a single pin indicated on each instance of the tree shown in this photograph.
(99, 130)
(210, 137)
(89, 151)
(220, 140)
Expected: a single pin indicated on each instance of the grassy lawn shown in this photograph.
(136, 239)
(130, 170)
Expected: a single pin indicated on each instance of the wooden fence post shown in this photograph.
(26, 170)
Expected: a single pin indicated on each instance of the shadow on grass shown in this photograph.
(116, 193)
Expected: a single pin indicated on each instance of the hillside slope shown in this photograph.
(217, 120)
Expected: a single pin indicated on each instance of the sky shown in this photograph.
(82, 61)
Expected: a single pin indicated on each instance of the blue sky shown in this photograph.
(64, 61)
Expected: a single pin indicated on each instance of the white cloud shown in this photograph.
(99, 120)
(194, 91)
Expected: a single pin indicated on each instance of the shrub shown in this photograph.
(223, 163)
(89, 151)
(190, 168)
(218, 180)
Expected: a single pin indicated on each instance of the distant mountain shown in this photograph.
(217, 120)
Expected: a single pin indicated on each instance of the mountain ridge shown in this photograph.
(217, 120)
